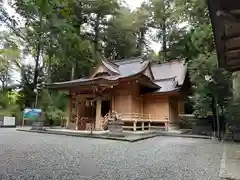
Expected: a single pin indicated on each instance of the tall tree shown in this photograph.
(120, 36)
(142, 23)
(211, 84)
(9, 57)
(165, 19)
(99, 12)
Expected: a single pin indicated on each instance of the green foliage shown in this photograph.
(9, 58)
(53, 105)
(193, 11)
(3, 100)
(8, 106)
(120, 36)
(232, 113)
(187, 121)
(204, 91)
(191, 43)
(165, 19)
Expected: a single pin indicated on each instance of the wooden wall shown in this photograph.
(126, 98)
(181, 106)
(173, 110)
(157, 105)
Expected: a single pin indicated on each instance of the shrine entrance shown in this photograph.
(86, 116)
(92, 106)
(106, 106)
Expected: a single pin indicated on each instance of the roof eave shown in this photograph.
(164, 92)
(212, 8)
(74, 84)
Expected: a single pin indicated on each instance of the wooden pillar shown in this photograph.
(134, 125)
(77, 113)
(180, 106)
(141, 101)
(112, 104)
(98, 115)
(149, 123)
(69, 111)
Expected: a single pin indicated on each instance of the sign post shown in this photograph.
(35, 116)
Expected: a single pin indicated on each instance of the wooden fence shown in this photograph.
(137, 121)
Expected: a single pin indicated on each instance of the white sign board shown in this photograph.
(9, 121)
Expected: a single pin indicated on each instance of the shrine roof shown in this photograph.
(166, 76)
(132, 66)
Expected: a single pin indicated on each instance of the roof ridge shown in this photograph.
(127, 59)
(105, 62)
(169, 62)
(145, 66)
(132, 61)
(166, 79)
(110, 62)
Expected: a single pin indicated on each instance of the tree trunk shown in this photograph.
(3, 85)
(164, 41)
(36, 70)
(37, 59)
(213, 107)
(49, 79)
(164, 34)
(141, 40)
(96, 30)
(73, 71)
(217, 116)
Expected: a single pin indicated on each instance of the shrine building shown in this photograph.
(146, 95)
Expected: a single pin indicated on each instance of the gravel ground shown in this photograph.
(31, 156)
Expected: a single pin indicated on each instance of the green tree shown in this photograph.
(120, 36)
(195, 12)
(98, 13)
(53, 105)
(165, 19)
(191, 43)
(142, 23)
(211, 85)
(9, 58)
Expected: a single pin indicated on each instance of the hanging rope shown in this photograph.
(90, 102)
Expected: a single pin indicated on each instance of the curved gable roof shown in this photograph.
(133, 66)
(173, 69)
(169, 76)
(110, 66)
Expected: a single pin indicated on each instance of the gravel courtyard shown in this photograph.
(30, 156)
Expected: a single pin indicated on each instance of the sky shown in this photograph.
(134, 3)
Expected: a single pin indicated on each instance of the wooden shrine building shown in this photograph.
(144, 94)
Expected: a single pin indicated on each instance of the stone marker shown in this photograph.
(236, 132)
(38, 124)
(115, 126)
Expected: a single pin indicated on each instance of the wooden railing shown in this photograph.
(138, 117)
(145, 120)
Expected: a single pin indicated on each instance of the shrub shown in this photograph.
(187, 121)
